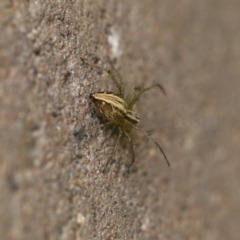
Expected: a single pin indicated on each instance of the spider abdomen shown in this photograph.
(109, 105)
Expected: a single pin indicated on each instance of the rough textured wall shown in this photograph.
(51, 155)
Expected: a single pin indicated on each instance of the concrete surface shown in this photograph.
(51, 182)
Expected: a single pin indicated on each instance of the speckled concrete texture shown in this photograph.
(52, 154)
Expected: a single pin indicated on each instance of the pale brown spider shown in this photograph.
(117, 110)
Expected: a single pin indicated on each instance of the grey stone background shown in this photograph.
(51, 155)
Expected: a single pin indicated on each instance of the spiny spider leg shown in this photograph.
(141, 91)
(132, 149)
(115, 147)
(102, 125)
(153, 140)
(115, 77)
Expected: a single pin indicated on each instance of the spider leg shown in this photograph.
(102, 125)
(141, 91)
(153, 140)
(132, 150)
(115, 147)
(113, 74)
(117, 79)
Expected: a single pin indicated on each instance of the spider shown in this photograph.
(117, 110)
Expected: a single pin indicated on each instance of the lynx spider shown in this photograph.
(117, 110)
